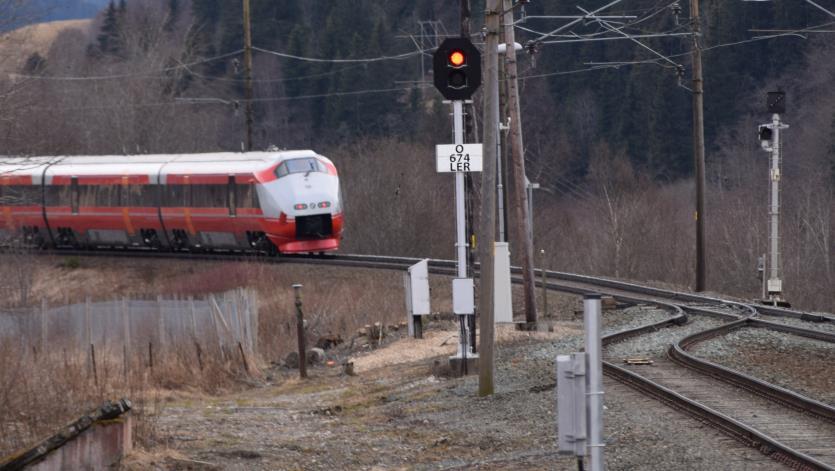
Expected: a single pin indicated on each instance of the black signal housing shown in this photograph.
(776, 102)
(456, 65)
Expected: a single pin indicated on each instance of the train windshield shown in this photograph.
(305, 165)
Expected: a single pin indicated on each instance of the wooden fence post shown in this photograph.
(88, 332)
(300, 331)
(126, 330)
(93, 358)
(160, 325)
(43, 327)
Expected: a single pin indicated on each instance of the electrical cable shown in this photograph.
(126, 76)
(616, 65)
(405, 55)
(188, 101)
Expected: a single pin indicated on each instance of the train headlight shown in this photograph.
(300, 206)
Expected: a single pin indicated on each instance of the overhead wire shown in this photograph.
(616, 65)
(187, 66)
(190, 101)
(285, 55)
(155, 74)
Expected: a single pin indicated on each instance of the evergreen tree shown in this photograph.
(297, 45)
(110, 40)
(173, 14)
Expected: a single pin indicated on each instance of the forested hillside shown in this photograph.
(639, 108)
(607, 124)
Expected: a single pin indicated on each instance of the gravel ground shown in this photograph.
(819, 326)
(655, 344)
(631, 317)
(403, 417)
(800, 364)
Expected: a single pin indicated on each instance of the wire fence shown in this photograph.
(141, 333)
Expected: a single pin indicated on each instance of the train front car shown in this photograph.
(302, 203)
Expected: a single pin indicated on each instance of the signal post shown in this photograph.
(457, 71)
(771, 142)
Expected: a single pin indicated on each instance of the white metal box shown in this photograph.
(463, 296)
(503, 298)
(571, 404)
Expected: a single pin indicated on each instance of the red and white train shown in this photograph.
(284, 202)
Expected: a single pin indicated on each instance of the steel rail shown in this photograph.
(377, 261)
(734, 428)
(679, 354)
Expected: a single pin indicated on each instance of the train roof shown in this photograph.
(221, 163)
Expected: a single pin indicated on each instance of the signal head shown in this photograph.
(457, 68)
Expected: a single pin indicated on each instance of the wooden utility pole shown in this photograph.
(698, 146)
(519, 195)
(248, 74)
(487, 229)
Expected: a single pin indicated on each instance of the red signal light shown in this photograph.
(457, 58)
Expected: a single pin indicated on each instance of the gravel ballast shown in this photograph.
(796, 363)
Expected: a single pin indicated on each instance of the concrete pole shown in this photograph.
(248, 94)
(519, 196)
(591, 314)
(461, 225)
(774, 213)
(487, 229)
(698, 147)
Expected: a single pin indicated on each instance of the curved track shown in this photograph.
(800, 432)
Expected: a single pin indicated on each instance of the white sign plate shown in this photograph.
(454, 158)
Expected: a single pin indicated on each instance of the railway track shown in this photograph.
(801, 432)
(559, 281)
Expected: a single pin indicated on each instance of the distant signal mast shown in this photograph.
(769, 135)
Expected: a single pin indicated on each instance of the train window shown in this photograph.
(20, 195)
(87, 195)
(209, 196)
(102, 195)
(58, 195)
(305, 165)
(177, 196)
(143, 196)
(246, 196)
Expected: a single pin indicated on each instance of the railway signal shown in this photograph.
(457, 68)
(769, 135)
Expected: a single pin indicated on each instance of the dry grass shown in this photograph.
(16, 46)
(40, 393)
